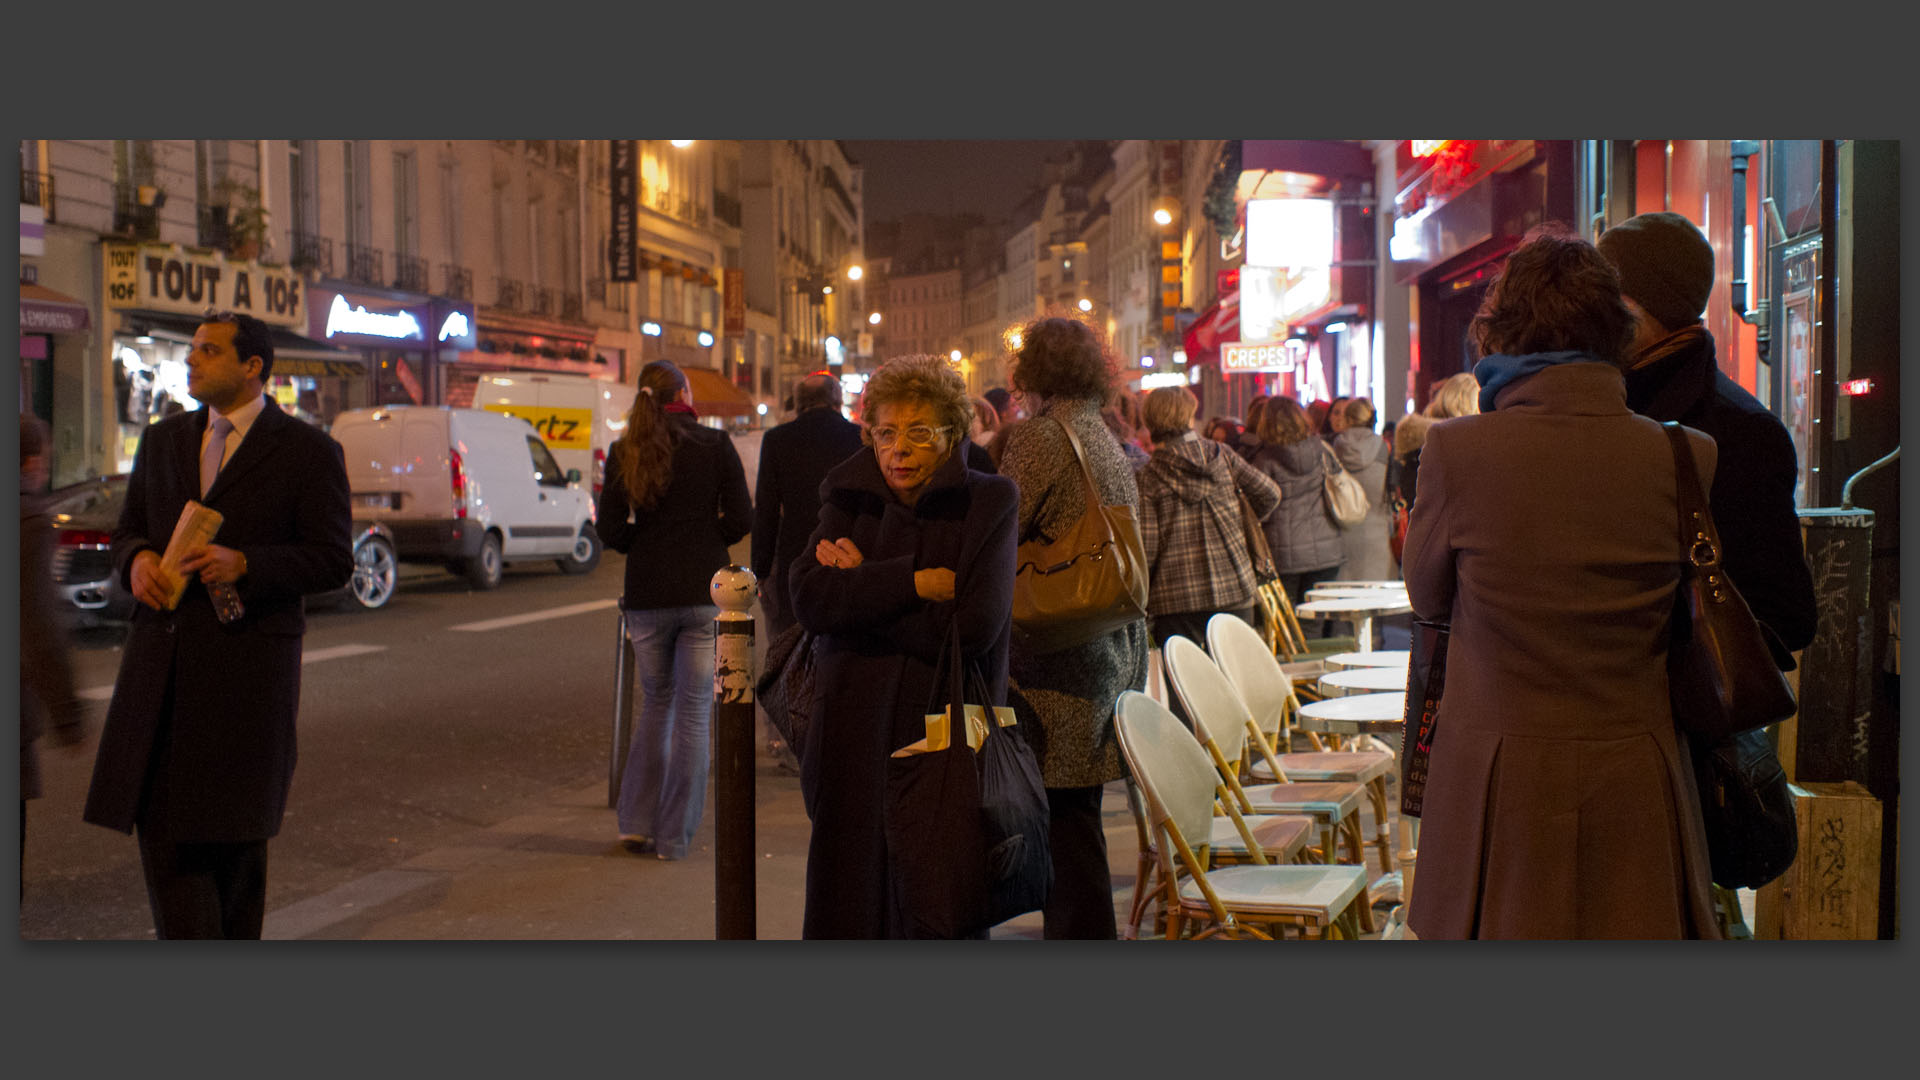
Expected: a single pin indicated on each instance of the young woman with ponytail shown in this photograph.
(674, 500)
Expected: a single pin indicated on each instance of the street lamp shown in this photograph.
(855, 272)
(1162, 217)
(1086, 305)
(681, 144)
(954, 356)
(873, 319)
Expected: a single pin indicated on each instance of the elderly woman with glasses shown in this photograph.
(911, 542)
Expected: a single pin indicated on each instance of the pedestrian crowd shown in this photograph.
(1558, 802)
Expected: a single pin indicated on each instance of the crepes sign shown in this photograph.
(162, 277)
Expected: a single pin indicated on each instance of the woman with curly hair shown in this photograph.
(1560, 802)
(1065, 375)
(674, 500)
(910, 542)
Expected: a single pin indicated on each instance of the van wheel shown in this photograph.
(373, 573)
(586, 551)
(484, 569)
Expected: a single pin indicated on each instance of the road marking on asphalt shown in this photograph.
(536, 616)
(105, 693)
(339, 651)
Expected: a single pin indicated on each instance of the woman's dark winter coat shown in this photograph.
(878, 652)
(684, 536)
(1302, 533)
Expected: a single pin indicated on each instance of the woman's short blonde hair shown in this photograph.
(1168, 412)
(922, 378)
(1459, 395)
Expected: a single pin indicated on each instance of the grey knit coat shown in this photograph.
(1065, 698)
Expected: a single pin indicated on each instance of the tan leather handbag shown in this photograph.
(1090, 581)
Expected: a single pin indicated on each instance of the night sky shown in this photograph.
(987, 177)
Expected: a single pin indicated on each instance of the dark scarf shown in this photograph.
(679, 407)
(1499, 371)
(1668, 380)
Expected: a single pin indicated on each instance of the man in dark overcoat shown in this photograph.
(1666, 274)
(197, 751)
(794, 458)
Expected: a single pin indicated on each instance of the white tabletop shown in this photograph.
(1362, 591)
(1355, 714)
(1369, 679)
(1394, 658)
(1389, 604)
(1338, 584)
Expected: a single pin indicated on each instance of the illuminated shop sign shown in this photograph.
(455, 326)
(1242, 358)
(343, 318)
(163, 277)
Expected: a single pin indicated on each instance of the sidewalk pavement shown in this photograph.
(558, 872)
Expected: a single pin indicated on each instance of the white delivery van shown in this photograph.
(580, 417)
(469, 489)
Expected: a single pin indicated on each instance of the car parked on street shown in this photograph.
(91, 595)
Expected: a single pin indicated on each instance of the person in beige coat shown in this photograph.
(1559, 802)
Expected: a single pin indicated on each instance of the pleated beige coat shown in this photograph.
(1560, 803)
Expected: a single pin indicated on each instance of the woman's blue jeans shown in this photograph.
(664, 783)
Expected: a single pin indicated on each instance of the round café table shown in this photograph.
(1381, 714)
(1347, 682)
(1358, 610)
(1393, 658)
(1337, 592)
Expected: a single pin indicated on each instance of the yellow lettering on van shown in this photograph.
(562, 429)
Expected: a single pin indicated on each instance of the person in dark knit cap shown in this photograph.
(1666, 275)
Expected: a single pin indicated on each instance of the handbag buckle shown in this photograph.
(1702, 553)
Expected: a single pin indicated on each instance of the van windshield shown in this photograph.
(545, 469)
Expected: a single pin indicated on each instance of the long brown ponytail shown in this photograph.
(645, 450)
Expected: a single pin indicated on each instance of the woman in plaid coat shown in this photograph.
(1190, 522)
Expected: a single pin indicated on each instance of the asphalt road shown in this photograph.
(418, 722)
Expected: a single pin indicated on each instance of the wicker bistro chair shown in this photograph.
(1220, 723)
(1278, 838)
(1268, 694)
(1181, 790)
(1300, 649)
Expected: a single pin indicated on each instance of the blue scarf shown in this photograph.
(1499, 371)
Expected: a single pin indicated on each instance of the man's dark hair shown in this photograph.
(251, 337)
(1555, 293)
(815, 391)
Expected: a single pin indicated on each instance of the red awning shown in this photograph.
(713, 395)
(1220, 322)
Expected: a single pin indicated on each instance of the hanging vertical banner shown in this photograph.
(623, 241)
(733, 297)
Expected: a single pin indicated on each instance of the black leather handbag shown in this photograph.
(1725, 689)
(1722, 678)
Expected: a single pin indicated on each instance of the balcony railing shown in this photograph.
(410, 273)
(313, 253)
(726, 208)
(572, 306)
(509, 294)
(36, 189)
(458, 281)
(542, 298)
(132, 219)
(566, 156)
(537, 150)
(364, 264)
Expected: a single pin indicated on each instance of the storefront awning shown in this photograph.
(714, 395)
(1220, 322)
(44, 311)
(293, 354)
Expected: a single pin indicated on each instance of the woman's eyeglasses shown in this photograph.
(919, 436)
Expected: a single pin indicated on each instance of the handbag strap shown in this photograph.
(1080, 455)
(1699, 540)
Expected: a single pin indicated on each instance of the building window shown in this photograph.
(358, 191)
(450, 209)
(406, 204)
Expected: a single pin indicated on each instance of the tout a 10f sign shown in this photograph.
(161, 277)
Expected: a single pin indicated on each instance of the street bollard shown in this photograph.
(623, 670)
(733, 723)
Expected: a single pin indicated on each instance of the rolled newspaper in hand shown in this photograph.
(194, 530)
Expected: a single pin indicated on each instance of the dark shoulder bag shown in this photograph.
(1725, 690)
(786, 688)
